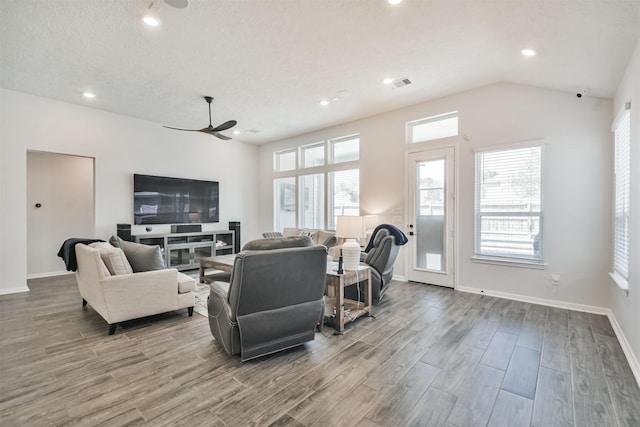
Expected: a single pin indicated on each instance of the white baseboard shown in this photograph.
(399, 278)
(50, 274)
(14, 290)
(626, 348)
(534, 300)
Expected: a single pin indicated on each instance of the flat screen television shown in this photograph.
(165, 200)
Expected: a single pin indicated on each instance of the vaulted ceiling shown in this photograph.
(269, 63)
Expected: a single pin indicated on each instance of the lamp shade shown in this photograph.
(350, 227)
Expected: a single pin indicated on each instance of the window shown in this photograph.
(622, 129)
(312, 197)
(345, 149)
(345, 195)
(508, 215)
(434, 127)
(312, 155)
(285, 160)
(284, 190)
(314, 200)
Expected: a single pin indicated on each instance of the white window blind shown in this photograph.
(344, 196)
(312, 197)
(508, 214)
(622, 129)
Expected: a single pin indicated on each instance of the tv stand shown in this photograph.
(184, 250)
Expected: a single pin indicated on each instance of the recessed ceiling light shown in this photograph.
(324, 102)
(89, 95)
(236, 132)
(394, 1)
(151, 21)
(388, 80)
(528, 52)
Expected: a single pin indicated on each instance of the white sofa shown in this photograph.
(128, 295)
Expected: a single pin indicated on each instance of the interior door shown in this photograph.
(431, 216)
(60, 205)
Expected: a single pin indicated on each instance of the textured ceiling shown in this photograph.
(268, 63)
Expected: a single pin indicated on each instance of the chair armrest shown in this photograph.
(219, 300)
(129, 296)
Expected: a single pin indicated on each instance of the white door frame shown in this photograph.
(426, 148)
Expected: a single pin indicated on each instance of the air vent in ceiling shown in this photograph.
(401, 82)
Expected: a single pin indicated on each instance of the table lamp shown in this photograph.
(351, 228)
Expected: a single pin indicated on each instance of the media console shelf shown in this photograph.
(184, 250)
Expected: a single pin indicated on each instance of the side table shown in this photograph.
(335, 292)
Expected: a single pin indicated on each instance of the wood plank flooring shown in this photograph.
(431, 357)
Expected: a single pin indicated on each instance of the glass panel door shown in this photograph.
(431, 214)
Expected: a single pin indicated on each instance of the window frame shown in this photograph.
(301, 171)
(431, 119)
(509, 259)
(620, 267)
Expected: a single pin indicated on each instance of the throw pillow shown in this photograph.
(141, 257)
(113, 258)
(290, 231)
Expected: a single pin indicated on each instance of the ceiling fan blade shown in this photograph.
(224, 126)
(211, 132)
(187, 130)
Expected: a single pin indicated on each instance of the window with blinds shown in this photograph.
(508, 211)
(622, 130)
(312, 201)
(344, 197)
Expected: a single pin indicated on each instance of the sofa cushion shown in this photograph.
(290, 231)
(278, 243)
(185, 283)
(141, 257)
(326, 238)
(113, 258)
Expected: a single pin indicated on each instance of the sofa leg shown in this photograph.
(84, 302)
(112, 328)
(190, 311)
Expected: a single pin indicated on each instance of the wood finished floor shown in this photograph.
(432, 357)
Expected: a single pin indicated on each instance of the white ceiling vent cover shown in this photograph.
(400, 83)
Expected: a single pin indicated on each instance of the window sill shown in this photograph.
(509, 262)
(621, 282)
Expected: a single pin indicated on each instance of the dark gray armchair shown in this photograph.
(274, 299)
(381, 254)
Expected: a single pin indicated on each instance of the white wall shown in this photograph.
(121, 146)
(626, 308)
(577, 182)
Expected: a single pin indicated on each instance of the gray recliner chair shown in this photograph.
(274, 299)
(381, 255)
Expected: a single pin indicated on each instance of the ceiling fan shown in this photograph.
(215, 131)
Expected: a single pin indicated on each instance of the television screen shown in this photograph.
(165, 200)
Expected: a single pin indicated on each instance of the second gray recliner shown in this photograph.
(381, 257)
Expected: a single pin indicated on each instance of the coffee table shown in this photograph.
(340, 309)
(221, 263)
